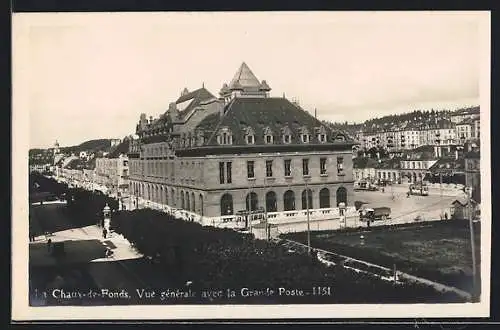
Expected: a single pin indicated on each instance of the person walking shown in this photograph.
(49, 245)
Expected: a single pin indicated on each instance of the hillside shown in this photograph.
(89, 146)
(414, 119)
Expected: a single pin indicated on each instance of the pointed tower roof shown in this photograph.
(264, 86)
(245, 78)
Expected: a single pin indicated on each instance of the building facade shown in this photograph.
(113, 173)
(463, 114)
(244, 151)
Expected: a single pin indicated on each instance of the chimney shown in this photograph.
(314, 112)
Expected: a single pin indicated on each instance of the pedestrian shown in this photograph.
(446, 215)
(49, 245)
(104, 233)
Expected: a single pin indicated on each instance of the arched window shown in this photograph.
(226, 204)
(193, 203)
(324, 198)
(182, 200)
(225, 136)
(341, 196)
(188, 205)
(306, 197)
(201, 204)
(252, 202)
(289, 201)
(271, 204)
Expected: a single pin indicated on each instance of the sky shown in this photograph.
(87, 76)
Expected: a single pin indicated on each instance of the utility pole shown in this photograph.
(308, 223)
(441, 193)
(472, 242)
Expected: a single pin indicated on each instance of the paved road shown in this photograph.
(85, 248)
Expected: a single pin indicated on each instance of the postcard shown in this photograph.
(251, 165)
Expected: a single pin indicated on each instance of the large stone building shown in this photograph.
(242, 151)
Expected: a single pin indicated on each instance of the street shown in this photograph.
(84, 265)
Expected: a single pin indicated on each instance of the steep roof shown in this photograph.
(245, 78)
(389, 164)
(200, 93)
(259, 114)
(448, 165)
(466, 121)
(196, 97)
(425, 152)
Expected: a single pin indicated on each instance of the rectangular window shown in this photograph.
(322, 165)
(305, 166)
(250, 169)
(224, 138)
(229, 172)
(250, 139)
(268, 139)
(340, 165)
(269, 168)
(288, 167)
(221, 172)
(287, 138)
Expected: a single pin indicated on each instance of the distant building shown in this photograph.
(465, 130)
(364, 168)
(441, 132)
(468, 113)
(112, 171)
(415, 164)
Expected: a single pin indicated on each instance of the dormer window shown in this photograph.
(304, 135)
(250, 136)
(321, 134)
(268, 136)
(287, 135)
(225, 137)
(341, 138)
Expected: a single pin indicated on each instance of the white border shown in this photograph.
(21, 310)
